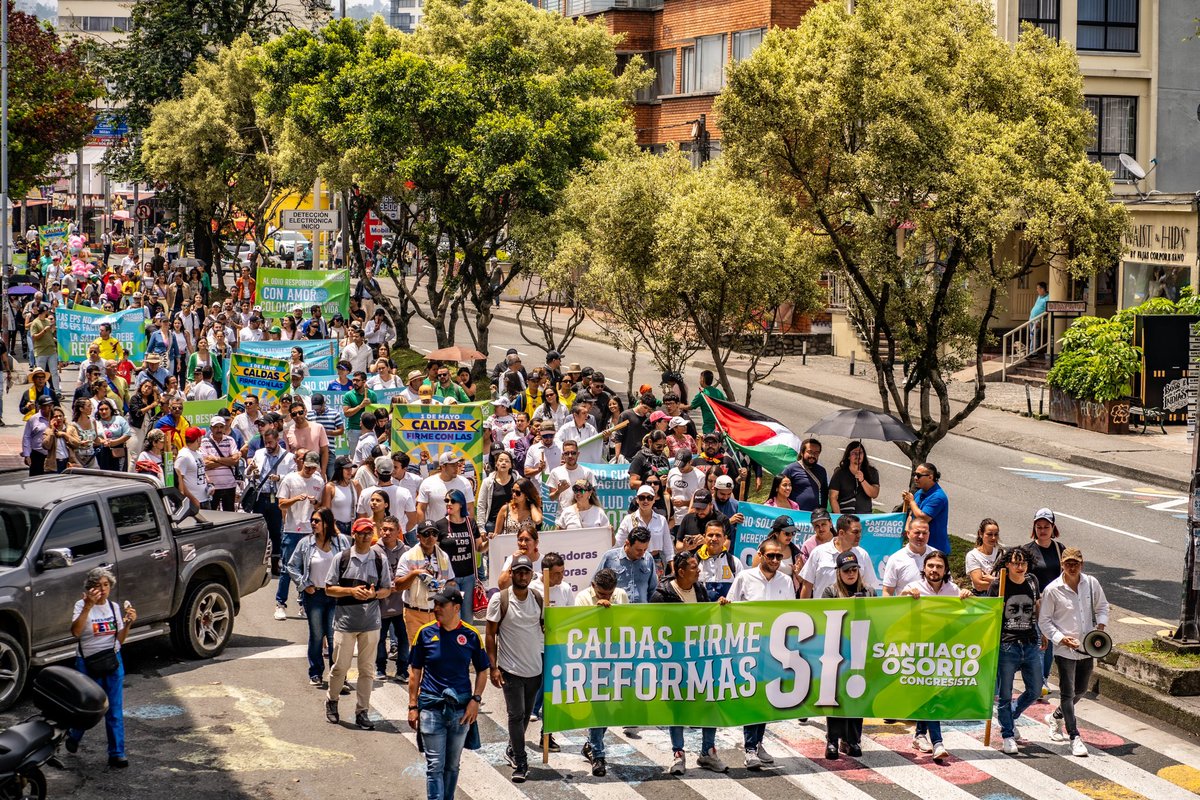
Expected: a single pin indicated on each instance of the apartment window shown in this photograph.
(746, 42)
(1108, 25)
(704, 64)
(1115, 131)
(664, 73)
(1040, 14)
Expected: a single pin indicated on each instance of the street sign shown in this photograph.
(305, 220)
(143, 211)
(1066, 306)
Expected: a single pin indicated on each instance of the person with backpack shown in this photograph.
(358, 580)
(515, 619)
(717, 566)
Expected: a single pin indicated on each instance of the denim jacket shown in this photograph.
(297, 567)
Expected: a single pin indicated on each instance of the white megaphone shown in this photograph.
(1097, 644)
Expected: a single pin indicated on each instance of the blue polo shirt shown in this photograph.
(937, 506)
(446, 657)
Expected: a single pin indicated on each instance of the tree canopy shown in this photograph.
(930, 163)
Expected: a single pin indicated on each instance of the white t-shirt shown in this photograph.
(433, 494)
(660, 535)
(519, 638)
(400, 502)
(190, 469)
(320, 563)
(204, 390)
(297, 518)
(376, 382)
(561, 473)
(903, 567)
(561, 595)
(948, 589)
(591, 517)
(978, 560)
(538, 451)
(100, 632)
(684, 484)
(821, 568)
(751, 584)
(366, 443)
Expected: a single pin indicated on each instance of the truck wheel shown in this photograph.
(14, 670)
(204, 623)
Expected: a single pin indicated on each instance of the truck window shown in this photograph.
(133, 516)
(18, 524)
(79, 529)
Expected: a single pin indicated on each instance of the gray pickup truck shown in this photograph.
(185, 577)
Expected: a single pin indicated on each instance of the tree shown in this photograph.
(50, 88)
(726, 250)
(918, 149)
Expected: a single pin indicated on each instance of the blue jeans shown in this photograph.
(396, 626)
(934, 729)
(708, 738)
(467, 587)
(319, 608)
(289, 542)
(596, 740)
(114, 718)
(443, 739)
(1024, 657)
(752, 736)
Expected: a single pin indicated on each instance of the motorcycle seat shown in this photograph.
(19, 741)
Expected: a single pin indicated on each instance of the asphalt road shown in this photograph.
(1132, 535)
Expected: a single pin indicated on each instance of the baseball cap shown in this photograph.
(318, 399)
(548, 426)
(427, 526)
(217, 419)
(502, 401)
(362, 525)
(312, 457)
(645, 489)
(677, 422)
(657, 415)
(45, 400)
(820, 515)
(425, 391)
(553, 355)
(712, 437)
(521, 562)
(1044, 513)
(448, 595)
(193, 434)
(383, 464)
(1072, 554)
(847, 559)
(784, 524)
(701, 498)
(724, 482)
(449, 457)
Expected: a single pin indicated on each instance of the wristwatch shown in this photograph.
(478, 698)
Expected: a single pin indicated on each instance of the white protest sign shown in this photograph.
(301, 219)
(581, 549)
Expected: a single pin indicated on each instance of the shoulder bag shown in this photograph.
(104, 663)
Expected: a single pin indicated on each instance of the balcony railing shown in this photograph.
(578, 8)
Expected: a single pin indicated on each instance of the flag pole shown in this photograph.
(737, 454)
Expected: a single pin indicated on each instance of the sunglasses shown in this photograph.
(298, 413)
(547, 435)
(773, 556)
(645, 499)
(514, 491)
(443, 375)
(427, 535)
(922, 475)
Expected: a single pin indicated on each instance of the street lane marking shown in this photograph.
(1140, 592)
(812, 779)
(1134, 730)
(892, 463)
(1150, 621)
(1182, 775)
(1105, 790)
(701, 781)
(1011, 770)
(1107, 528)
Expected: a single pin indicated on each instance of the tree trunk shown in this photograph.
(629, 376)
(483, 321)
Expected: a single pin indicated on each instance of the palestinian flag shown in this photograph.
(766, 441)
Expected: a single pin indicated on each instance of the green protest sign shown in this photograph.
(928, 658)
(199, 412)
(262, 377)
(278, 291)
(427, 431)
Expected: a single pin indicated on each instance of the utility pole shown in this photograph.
(7, 232)
(700, 140)
(1186, 637)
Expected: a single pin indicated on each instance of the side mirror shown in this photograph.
(57, 558)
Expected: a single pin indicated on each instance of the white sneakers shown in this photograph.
(1078, 748)
(1010, 746)
(921, 742)
(280, 612)
(752, 760)
(1057, 728)
(939, 752)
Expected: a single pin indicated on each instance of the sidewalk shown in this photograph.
(1150, 458)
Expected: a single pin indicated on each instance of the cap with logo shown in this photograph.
(363, 525)
(701, 498)
(450, 457)
(426, 527)
(448, 595)
(847, 560)
(724, 482)
(312, 459)
(521, 562)
(820, 515)
(677, 422)
(1072, 554)
(645, 490)
(1044, 513)
(784, 524)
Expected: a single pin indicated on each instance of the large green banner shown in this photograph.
(265, 378)
(76, 328)
(278, 291)
(928, 658)
(435, 429)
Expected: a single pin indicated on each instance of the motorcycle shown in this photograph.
(66, 699)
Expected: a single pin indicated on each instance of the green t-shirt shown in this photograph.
(709, 422)
(353, 398)
(48, 344)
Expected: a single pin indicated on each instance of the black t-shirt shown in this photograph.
(851, 497)
(455, 540)
(633, 433)
(647, 462)
(501, 494)
(692, 525)
(1044, 563)
(1020, 617)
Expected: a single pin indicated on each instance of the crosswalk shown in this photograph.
(1130, 760)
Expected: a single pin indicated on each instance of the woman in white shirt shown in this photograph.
(384, 377)
(982, 560)
(585, 512)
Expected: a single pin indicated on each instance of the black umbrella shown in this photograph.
(858, 423)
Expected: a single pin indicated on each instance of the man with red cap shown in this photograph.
(189, 469)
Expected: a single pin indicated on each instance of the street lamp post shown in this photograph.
(1187, 636)
(6, 234)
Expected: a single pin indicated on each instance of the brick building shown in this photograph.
(688, 43)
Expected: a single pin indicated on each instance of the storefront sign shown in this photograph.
(1159, 243)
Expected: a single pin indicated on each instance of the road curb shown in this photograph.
(1110, 684)
(1175, 482)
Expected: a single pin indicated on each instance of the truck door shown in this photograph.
(146, 567)
(55, 591)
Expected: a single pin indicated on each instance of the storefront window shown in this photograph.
(1144, 281)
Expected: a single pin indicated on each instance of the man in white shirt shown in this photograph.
(367, 440)
(203, 389)
(1073, 605)
(543, 455)
(820, 570)
(764, 582)
(907, 564)
(299, 496)
(401, 503)
(579, 429)
(253, 332)
(189, 466)
(564, 476)
(561, 593)
(220, 455)
(420, 573)
(605, 593)
(431, 498)
(411, 393)
(358, 352)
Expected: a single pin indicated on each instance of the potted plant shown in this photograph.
(1094, 369)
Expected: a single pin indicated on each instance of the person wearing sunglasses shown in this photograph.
(585, 511)
(309, 567)
(845, 731)
(645, 517)
(929, 502)
(764, 582)
(422, 571)
(544, 455)
(524, 505)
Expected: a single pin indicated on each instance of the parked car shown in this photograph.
(288, 245)
(185, 577)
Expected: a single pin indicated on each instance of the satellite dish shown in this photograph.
(1131, 164)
